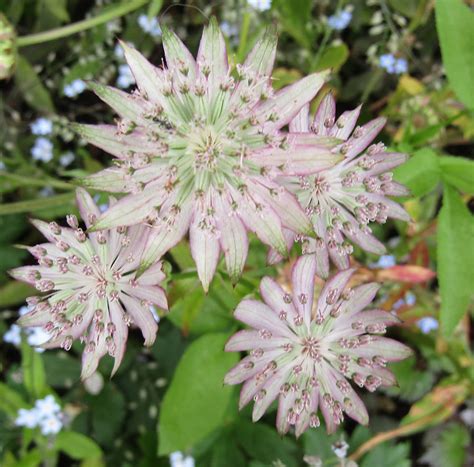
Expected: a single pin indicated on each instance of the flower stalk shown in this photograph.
(58, 33)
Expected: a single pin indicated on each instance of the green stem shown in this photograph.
(74, 28)
(243, 37)
(37, 204)
(31, 181)
(322, 47)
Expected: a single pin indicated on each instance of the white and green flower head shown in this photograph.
(343, 200)
(198, 146)
(90, 290)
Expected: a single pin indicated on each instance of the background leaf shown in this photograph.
(31, 87)
(388, 454)
(458, 172)
(263, 443)
(420, 173)
(448, 448)
(196, 400)
(455, 259)
(34, 377)
(10, 400)
(77, 446)
(455, 24)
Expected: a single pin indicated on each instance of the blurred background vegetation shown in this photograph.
(409, 60)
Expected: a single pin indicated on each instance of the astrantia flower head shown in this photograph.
(304, 347)
(92, 293)
(195, 147)
(344, 199)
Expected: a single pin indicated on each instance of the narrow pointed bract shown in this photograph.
(193, 151)
(342, 200)
(92, 292)
(304, 348)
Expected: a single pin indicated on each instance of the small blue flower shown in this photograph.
(75, 88)
(261, 5)
(42, 150)
(410, 298)
(398, 304)
(149, 25)
(46, 191)
(51, 425)
(177, 459)
(125, 78)
(387, 61)
(385, 261)
(118, 52)
(37, 336)
(42, 126)
(401, 66)
(393, 65)
(340, 20)
(229, 29)
(66, 158)
(13, 335)
(102, 207)
(23, 310)
(47, 407)
(28, 418)
(427, 324)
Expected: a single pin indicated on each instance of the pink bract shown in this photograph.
(198, 146)
(342, 200)
(90, 285)
(304, 347)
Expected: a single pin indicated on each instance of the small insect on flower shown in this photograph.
(197, 147)
(303, 349)
(344, 199)
(91, 292)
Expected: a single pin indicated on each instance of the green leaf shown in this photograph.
(413, 384)
(333, 57)
(420, 173)
(388, 454)
(56, 8)
(31, 87)
(61, 369)
(11, 227)
(77, 445)
(295, 17)
(154, 8)
(14, 293)
(405, 7)
(263, 443)
(196, 401)
(34, 377)
(32, 458)
(318, 443)
(11, 257)
(455, 259)
(458, 172)
(38, 205)
(226, 449)
(455, 25)
(449, 448)
(197, 313)
(10, 400)
(107, 411)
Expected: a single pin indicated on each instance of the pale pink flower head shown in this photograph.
(197, 146)
(343, 200)
(90, 285)
(305, 347)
